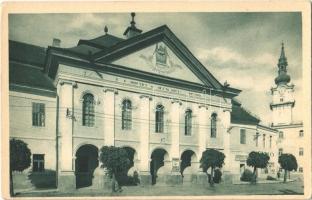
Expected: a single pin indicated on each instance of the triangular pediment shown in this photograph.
(160, 60)
(147, 41)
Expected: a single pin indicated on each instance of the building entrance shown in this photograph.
(157, 161)
(85, 164)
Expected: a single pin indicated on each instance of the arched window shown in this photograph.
(159, 116)
(213, 131)
(126, 115)
(188, 122)
(88, 110)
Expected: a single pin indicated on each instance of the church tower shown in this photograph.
(282, 94)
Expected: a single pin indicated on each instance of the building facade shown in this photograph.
(291, 135)
(146, 93)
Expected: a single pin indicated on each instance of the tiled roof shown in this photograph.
(26, 66)
(241, 116)
(84, 49)
(103, 42)
(22, 75)
(27, 53)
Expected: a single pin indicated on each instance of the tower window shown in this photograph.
(301, 133)
(300, 151)
(281, 135)
(301, 169)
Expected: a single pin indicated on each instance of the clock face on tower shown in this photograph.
(281, 91)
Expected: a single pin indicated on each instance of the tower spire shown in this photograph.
(283, 77)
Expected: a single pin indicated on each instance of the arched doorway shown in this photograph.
(158, 158)
(85, 164)
(187, 158)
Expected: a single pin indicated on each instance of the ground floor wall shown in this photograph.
(162, 168)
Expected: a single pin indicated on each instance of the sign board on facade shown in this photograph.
(241, 157)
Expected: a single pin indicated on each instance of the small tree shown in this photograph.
(116, 161)
(257, 160)
(211, 159)
(287, 162)
(19, 159)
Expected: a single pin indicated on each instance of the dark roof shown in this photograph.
(84, 49)
(104, 41)
(113, 48)
(26, 67)
(240, 115)
(20, 74)
(27, 53)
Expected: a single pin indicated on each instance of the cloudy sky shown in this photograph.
(240, 48)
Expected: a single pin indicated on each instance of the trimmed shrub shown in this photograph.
(217, 176)
(247, 176)
(270, 178)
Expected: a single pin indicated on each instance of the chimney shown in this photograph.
(132, 30)
(56, 42)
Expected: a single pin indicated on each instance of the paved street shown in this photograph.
(295, 187)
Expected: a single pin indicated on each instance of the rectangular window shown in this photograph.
(38, 162)
(300, 151)
(301, 133)
(38, 114)
(263, 140)
(281, 135)
(280, 151)
(242, 136)
(270, 141)
(301, 169)
(257, 136)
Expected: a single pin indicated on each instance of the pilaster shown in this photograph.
(175, 135)
(109, 116)
(66, 177)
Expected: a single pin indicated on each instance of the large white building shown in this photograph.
(145, 92)
(291, 136)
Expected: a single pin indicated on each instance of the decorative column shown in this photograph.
(144, 140)
(109, 116)
(203, 131)
(66, 175)
(175, 176)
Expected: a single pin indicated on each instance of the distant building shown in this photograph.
(291, 135)
(146, 93)
(246, 135)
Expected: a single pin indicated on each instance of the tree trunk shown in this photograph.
(11, 184)
(254, 178)
(113, 183)
(211, 177)
(285, 175)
